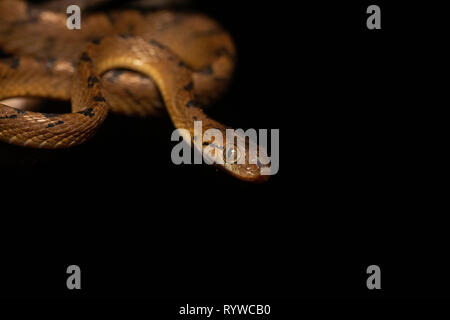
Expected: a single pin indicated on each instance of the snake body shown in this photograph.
(128, 62)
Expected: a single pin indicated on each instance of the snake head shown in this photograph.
(246, 164)
(241, 157)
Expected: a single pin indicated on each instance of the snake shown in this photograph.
(129, 61)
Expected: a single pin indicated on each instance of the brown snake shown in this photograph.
(127, 61)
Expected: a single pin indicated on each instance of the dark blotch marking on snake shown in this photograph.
(91, 81)
(192, 103)
(49, 64)
(89, 112)
(32, 13)
(19, 111)
(125, 35)
(157, 44)
(216, 146)
(208, 70)
(189, 86)
(51, 115)
(13, 116)
(51, 125)
(96, 40)
(85, 57)
(15, 63)
(99, 98)
(110, 18)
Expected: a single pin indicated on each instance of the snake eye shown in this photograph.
(231, 154)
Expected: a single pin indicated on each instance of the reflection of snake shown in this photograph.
(128, 61)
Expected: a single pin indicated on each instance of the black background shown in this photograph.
(359, 180)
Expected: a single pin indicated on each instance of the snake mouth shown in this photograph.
(249, 173)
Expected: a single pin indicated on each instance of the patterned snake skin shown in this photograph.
(130, 61)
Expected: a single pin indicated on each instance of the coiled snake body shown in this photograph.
(181, 61)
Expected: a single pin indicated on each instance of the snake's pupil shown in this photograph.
(231, 154)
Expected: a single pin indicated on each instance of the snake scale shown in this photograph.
(135, 62)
